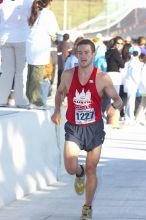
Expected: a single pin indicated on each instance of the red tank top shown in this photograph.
(84, 102)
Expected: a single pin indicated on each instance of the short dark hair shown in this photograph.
(135, 53)
(87, 42)
(66, 37)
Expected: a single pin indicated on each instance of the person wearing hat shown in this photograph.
(132, 83)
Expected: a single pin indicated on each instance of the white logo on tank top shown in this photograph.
(84, 112)
(83, 98)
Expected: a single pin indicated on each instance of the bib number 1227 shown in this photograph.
(84, 116)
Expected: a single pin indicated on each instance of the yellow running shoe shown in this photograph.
(79, 184)
(86, 213)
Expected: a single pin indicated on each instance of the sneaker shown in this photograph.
(79, 184)
(86, 213)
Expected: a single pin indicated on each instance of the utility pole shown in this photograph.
(89, 10)
(65, 16)
(107, 18)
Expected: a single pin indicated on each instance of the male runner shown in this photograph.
(84, 129)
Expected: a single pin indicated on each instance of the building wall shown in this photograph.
(31, 153)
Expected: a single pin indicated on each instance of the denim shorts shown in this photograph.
(86, 137)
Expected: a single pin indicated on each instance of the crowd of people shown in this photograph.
(27, 29)
(117, 70)
(104, 82)
(100, 77)
(28, 64)
(124, 61)
(125, 65)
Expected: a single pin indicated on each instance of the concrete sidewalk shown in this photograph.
(121, 194)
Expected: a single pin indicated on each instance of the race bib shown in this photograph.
(84, 116)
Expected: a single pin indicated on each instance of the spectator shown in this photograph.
(128, 40)
(114, 60)
(13, 33)
(132, 83)
(99, 60)
(72, 60)
(43, 28)
(54, 59)
(141, 111)
(114, 63)
(64, 48)
(142, 44)
(126, 55)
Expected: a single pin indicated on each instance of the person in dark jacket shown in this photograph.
(114, 61)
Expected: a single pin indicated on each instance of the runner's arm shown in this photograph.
(111, 92)
(60, 94)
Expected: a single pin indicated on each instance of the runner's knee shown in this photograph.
(70, 168)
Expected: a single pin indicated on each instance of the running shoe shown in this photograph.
(86, 213)
(79, 184)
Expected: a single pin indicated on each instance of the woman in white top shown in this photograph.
(141, 111)
(13, 32)
(43, 27)
(132, 82)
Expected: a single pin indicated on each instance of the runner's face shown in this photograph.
(85, 55)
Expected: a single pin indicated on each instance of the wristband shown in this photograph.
(113, 106)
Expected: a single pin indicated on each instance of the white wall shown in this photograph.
(31, 153)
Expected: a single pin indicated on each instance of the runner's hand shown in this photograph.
(56, 118)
